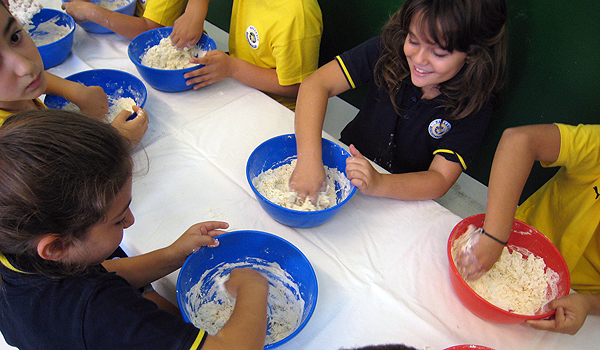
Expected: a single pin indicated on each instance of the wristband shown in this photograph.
(492, 237)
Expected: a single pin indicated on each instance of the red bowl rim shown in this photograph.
(454, 235)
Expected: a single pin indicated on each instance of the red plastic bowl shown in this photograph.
(468, 347)
(522, 235)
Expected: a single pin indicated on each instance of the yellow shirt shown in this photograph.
(163, 12)
(567, 208)
(279, 34)
(5, 114)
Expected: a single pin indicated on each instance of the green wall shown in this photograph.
(554, 62)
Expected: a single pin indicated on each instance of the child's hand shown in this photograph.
(476, 253)
(187, 29)
(92, 101)
(308, 179)
(133, 129)
(361, 173)
(197, 236)
(571, 312)
(245, 278)
(217, 66)
(79, 9)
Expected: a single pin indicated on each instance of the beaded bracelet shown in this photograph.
(492, 237)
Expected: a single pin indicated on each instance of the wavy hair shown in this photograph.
(475, 27)
(59, 173)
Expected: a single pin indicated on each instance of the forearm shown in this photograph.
(516, 153)
(127, 26)
(247, 326)
(263, 79)
(420, 185)
(146, 268)
(58, 86)
(308, 123)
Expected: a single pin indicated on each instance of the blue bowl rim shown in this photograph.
(89, 71)
(137, 61)
(71, 24)
(335, 207)
(311, 269)
(115, 10)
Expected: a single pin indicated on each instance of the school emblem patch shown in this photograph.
(252, 37)
(438, 128)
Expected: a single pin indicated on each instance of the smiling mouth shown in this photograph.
(418, 70)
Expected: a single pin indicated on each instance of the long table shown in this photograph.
(381, 264)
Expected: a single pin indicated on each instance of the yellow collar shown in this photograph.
(4, 261)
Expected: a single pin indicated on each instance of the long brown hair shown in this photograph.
(475, 27)
(59, 172)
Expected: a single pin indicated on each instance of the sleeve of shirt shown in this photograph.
(164, 12)
(358, 63)
(579, 149)
(296, 51)
(117, 316)
(462, 141)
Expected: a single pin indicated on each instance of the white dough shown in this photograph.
(48, 32)
(166, 56)
(274, 185)
(23, 10)
(210, 309)
(518, 282)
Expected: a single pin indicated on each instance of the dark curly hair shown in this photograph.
(475, 27)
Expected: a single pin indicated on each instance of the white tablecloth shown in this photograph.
(381, 264)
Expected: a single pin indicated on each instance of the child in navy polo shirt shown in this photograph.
(433, 77)
(65, 190)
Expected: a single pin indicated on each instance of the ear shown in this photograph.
(52, 247)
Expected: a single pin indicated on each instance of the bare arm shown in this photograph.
(188, 28)
(91, 100)
(516, 153)
(146, 268)
(219, 65)
(127, 26)
(327, 81)
(247, 327)
(421, 185)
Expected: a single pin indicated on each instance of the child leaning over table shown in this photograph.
(149, 14)
(23, 80)
(566, 209)
(61, 216)
(273, 45)
(433, 77)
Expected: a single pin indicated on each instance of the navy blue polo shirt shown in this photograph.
(97, 310)
(405, 142)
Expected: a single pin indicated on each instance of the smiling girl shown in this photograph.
(433, 79)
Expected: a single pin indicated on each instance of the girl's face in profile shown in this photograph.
(430, 65)
(103, 238)
(22, 76)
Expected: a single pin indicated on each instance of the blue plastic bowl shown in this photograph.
(54, 53)
(171, 80)
(281, 150)
(115, 83)
(238, 246)
(92, 27)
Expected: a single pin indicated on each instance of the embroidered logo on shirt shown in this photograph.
(438, 128)
(597, 193)
(252, 37)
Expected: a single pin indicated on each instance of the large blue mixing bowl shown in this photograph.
(116, 84)
(127, 9)
(171, 80)
(56, 52)
(281, 150)
(239, 246)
